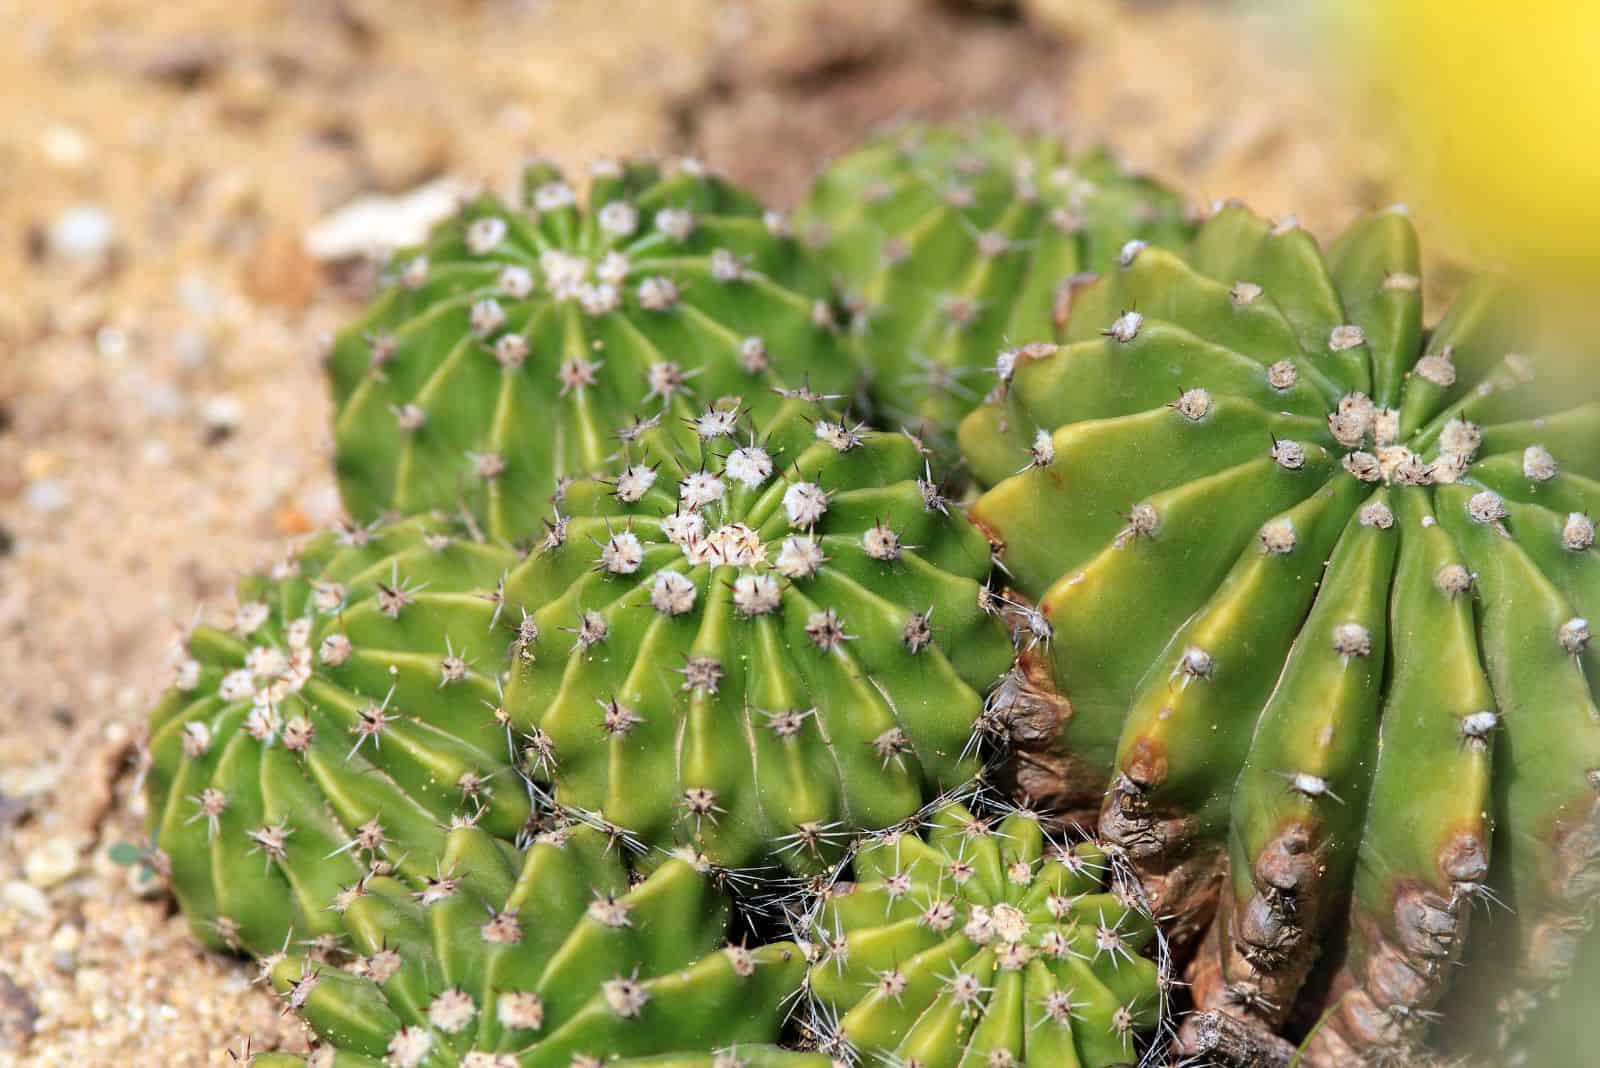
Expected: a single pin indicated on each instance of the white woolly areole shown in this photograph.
(487, 316)
(516, 282)
(658, 294)
(1043, 450)
(619, 218)
(1486, 506)
(749, 466)
(1538, 464)
(1278, 537)
(520, 1011)
(756, 595)
(1244, 294)
(701, 488)
(1125, 327)
(804, 503)
(409, 1047)
(881, 543)
(484, 235)
(1351, 639)
(671, 593)
(1577, 534)
(1346, 337)
(451, 1011)
(1282, 375)
(622, 554)
(676, 223)
(716, 423)
(799, 558)
(634, 482)
(681, 528)
(553, 196)
(612, 269)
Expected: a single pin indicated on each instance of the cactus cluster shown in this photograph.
(950, 241)
(1310, 588)
(506, 352)
(1270, 607)
(974, 940)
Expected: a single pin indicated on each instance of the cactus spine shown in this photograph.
(508, 350)
(967, 940)
(547, 959)
(951, 240)
(345, 719)
(1311, 586)
(756, 636)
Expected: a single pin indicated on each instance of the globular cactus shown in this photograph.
(505, 353)
(543, 960)
(975, 941)
(756, 636)
(951, 240)
(345, 719)
(1310, 588)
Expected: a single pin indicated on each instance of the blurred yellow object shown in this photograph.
(1494, 108)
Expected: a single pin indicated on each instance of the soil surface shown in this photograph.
(162, 417)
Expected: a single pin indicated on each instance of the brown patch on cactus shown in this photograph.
(1031, 713)
(1180, 885)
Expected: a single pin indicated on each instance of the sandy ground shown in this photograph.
(162, 421)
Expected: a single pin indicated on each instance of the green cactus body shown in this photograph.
(741, 1056)
(1300, 569)
(976, 942)
(951, 242)
(507, 351)
(551, 958)
(756, 636)
(344, 720)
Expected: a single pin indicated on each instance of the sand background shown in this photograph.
(162, 419)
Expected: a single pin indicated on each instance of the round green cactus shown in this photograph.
(758, 636)
(968, 941)
(343, 720)
(950, 241)
(505, 353)
(543, 960)
(1309, 595)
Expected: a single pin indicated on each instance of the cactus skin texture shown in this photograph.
(344, 720)
(505, 353)
(1311, 588)
(539, 961)
(952, 240)
(975, 941)
(758, 637)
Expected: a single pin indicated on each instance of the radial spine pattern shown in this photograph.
(505, 353)
(975, 941)
(759, 636)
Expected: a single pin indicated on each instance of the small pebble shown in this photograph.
(29, 900)
(47, 495)
(82, 233)
(51, 863)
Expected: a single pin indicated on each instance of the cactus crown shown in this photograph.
(755, 635)
(507, 351)
(1299, 565)
(951, 241)
(976, 934)
(547, 959)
